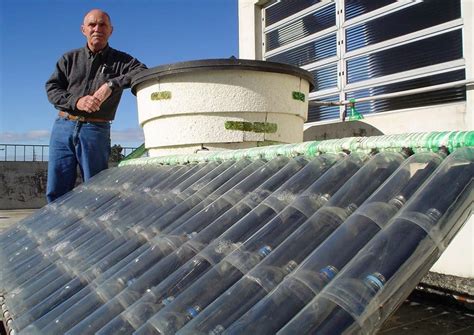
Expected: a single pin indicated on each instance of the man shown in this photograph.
(86, 88)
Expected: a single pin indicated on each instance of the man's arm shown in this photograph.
(131, 67)
(103, 92)
(61, 98)
(56, 88)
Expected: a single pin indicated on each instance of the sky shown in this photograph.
(35, 33)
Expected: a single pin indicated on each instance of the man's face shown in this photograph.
(97, 29)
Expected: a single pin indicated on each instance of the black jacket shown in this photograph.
(80, 72)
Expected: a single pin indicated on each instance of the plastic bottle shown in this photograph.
(189, 228)
(245, 257)
(295, 184)
(272, 312)
(385, 271)
(116, 282)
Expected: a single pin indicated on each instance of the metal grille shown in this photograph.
(359, 7)
(420, 16)
(406, 57)
(305, 26)
(309, 52)
(432, 80)
(317, 113)
(412, 101)
(385, 44)
(283, 9)
(415, 100)
(325, 77)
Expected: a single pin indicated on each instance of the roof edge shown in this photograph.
(417, 142)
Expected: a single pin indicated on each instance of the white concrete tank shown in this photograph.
(219, 104)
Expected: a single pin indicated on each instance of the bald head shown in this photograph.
(98, 12)
(97, 28)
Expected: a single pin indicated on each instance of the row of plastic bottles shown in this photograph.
(329, 245)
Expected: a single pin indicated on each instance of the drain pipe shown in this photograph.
(433, 141)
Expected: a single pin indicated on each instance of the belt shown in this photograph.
(80, 118)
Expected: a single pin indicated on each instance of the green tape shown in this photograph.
(298, 96)
(418, 142)
(256, 127)
(163, 95)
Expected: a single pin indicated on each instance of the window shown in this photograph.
(359, 48)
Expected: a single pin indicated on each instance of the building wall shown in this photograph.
(250, 28)
(458, 259)
(452, 117)
(455, 116)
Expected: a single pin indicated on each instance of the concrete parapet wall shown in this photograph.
(23, 184)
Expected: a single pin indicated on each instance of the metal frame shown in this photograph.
(296, 16)
(408, 38)
(342, 56)
(389, 9)
(395, 94)
(307, 39)
(406, 75)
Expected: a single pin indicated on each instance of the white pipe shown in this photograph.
(395, 94)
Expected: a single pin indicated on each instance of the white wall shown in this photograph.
(450, 117)
(458, 258)
(250, 29)
(467, 12)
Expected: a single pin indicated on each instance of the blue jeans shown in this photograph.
(75, 143)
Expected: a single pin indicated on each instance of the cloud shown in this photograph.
(129, 134)
(125, 137)
(37, 136)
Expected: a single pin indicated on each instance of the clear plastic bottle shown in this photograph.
(293, 185)
(50, 270)
(318, 269)
(107, 288)
(64, 251)
(385, 271)
(230, 269)
(189, 229)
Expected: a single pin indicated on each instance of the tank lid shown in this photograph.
(219, 64)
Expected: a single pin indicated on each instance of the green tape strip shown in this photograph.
(163, 95)
(298, 96)
(418, 142)
(256, 127)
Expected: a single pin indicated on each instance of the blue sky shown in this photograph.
(35, 33)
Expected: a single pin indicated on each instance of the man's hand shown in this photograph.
(103, 93)
(89, 104)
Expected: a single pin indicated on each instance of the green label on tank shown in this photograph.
(161, 95)
(298, 96)
(256, 127)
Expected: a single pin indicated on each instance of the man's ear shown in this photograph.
(82, 30)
